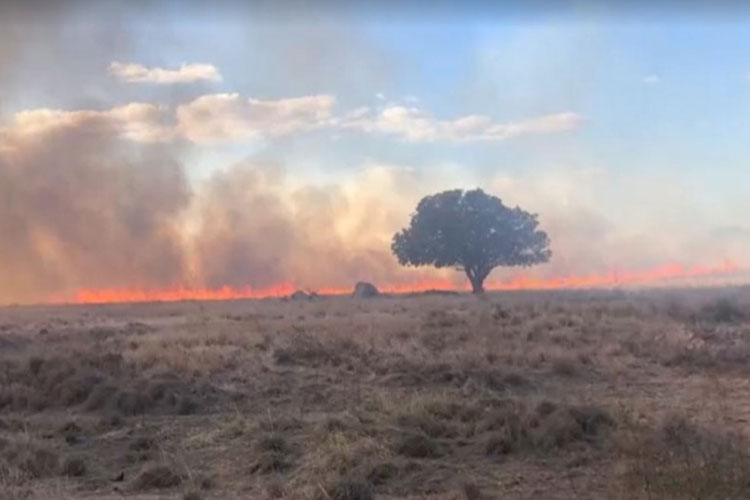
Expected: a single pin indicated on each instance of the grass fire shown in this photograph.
(374, 251)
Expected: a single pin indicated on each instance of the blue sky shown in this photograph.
(673, 95)
(691, 115)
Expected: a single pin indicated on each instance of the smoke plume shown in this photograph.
(103, 198)
(78, 208)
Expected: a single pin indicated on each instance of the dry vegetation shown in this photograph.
(517, 395)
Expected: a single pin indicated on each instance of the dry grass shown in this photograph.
(680, 460)
(517, 395)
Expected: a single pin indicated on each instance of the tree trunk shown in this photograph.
(476, 280)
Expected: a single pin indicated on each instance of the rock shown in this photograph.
(299, 295)
(365, 290)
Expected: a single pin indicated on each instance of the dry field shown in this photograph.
(544, 395)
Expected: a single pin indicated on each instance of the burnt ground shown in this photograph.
(550, 395)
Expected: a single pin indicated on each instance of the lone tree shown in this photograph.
(473, 232)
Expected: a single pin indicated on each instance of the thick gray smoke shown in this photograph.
(245, 231)
(255, 229)
(80, 209)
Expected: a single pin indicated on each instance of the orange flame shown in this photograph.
(616, 278)
(518, 282)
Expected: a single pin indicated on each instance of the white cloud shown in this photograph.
(651, 79)
(208, 119)
(141, 122)
(416, 125)
(217, 118)
(186, 73)
(229, 117)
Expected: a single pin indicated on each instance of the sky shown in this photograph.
(161, 145)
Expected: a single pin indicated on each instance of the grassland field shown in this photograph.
(512, 395)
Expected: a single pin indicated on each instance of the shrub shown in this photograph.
(418, 446)
(156, 476)
(273, 442)
(273, 450)
(512, 427)
(723, 310)
(74, 467)
(350, 489)
(381, 472)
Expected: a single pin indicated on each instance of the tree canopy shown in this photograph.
(473, 232)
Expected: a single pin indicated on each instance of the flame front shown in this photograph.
(659, 275)
(662, 274)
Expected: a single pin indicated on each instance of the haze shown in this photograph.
(156, 147)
